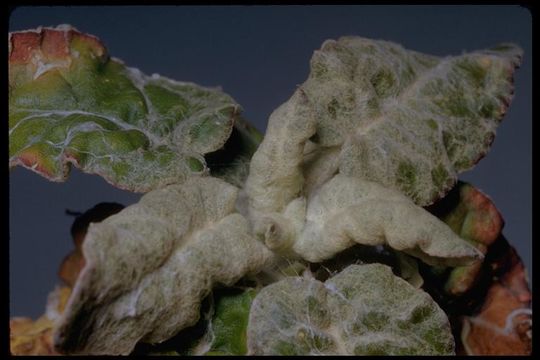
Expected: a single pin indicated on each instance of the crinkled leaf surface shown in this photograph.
(376, 111)
(348, 210)
(473, 216)
(69, 102)
(364, 310)
(149, 267)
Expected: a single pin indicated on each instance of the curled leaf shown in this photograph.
(364, 310)
(176, 243)
(347, 210)
(472, 215)
(376, 111)
(373, 111)
(70, 103)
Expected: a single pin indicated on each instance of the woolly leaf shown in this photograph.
(226, 324)
(148, 267)
(408, 267)
(231, 162)
(70, 103)
(376, 111)
(347, 210)
(364, 310)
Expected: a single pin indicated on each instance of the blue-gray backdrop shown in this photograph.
(258, 54)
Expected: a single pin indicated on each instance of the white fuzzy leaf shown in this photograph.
(364, 310)
(149, 267)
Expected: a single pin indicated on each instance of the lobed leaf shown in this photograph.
(149, 267)
(70, 103)
(364, 310)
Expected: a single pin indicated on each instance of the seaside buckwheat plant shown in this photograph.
(344, 230)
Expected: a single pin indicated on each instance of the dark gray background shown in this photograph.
(258, 54)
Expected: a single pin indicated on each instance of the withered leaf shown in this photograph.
(29, 337)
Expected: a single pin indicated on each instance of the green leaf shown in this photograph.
(231, 162)
(226, 323)
(229, 324)
(70, 103)
(364, 310)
